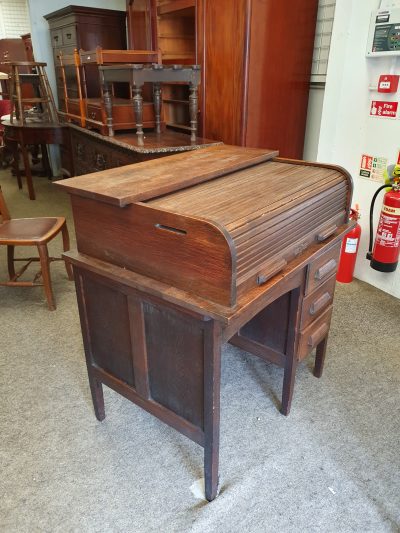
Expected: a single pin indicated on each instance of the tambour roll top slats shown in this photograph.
(216, 223)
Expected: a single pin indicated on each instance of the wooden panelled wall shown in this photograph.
(256, 61)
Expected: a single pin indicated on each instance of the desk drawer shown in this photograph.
(315, 303)
(322, 268)
(314, 334)
(56, 38)
(69, 36)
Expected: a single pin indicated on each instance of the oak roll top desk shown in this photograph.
(177, 256)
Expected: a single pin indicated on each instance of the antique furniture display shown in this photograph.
(42, 100)
(137, 76)
(122, 110)
(255, 57)
(32, 232)
(13, 50)
(87, 151)
(77, 27)
(33, 120)
(17, 137)
(176, 256)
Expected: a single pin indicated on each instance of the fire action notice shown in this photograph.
(373, 167)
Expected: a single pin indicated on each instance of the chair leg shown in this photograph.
(66, 247)
(44, 263)
(10, 261)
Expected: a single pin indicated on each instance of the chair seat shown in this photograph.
(29, 229)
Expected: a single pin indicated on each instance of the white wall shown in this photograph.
(313, 124)
(347, 131)
(40, 28)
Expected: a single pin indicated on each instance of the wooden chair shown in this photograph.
(32, 232)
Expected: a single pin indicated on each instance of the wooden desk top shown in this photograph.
(142, 181)
(166, 142)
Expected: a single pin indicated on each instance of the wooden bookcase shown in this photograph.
(255, 57)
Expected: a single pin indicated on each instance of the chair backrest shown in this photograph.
(4, 212)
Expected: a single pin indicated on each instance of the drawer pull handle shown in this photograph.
(69, 35)
(55, 38)
(326, 233)
(320, 303)
(273, 269)
(316, 337)
(93, 115)
(326, 269)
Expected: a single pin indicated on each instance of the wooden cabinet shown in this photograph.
(77, 27)
(256, 62)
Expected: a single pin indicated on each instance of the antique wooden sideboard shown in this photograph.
(86, 151)
(176, 256)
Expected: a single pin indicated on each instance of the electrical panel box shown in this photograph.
(384, 33)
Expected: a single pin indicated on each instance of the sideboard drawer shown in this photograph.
(316, 302)
(312, 335)
(322, 268)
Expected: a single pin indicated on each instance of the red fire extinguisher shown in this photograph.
(385, 255)
(348, 254)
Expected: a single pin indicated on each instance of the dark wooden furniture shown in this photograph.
(18, 136)
(177, 256)
(137, 76)
(12, 50)
(88, 151)
(121, 95)
(255, 57)
(77, 27)
(32, 232)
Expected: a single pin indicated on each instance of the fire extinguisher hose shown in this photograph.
(371, 220)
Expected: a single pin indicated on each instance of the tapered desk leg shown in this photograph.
(290, 353)
(193, 110)
(138, 107)
(28, 173)
(212, 379)
(96, 389)
(157, 105)
(320, 358)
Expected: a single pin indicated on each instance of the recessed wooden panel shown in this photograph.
(108, 322)
(280, 55)
(269, 327)
(224, 69)
(175, 352)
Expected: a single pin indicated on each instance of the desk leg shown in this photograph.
(320, 358)
(290, 353)
(28, 173)
(157, 105)
(138, 107)
(212, 379)
(193, 110)
(14, 149)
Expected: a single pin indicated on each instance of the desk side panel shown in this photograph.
(188, 253)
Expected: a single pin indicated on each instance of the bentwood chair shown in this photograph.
(32, 232)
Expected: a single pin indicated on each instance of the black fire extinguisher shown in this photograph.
(385, 254)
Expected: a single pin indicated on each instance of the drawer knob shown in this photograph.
(326, 269)
(318, 335)
(323, 235)
(271, 271)
(320, 303)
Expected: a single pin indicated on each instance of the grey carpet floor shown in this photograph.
(331, 466)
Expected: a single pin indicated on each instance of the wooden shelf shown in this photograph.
(175, 101)
(184, 7)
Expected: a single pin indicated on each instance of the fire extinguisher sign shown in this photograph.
(372, 167)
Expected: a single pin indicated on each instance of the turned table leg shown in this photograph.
(108, 107)
(157, 105)
(138, 107)
(193, 110)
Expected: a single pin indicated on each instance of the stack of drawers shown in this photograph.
(316, 309)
